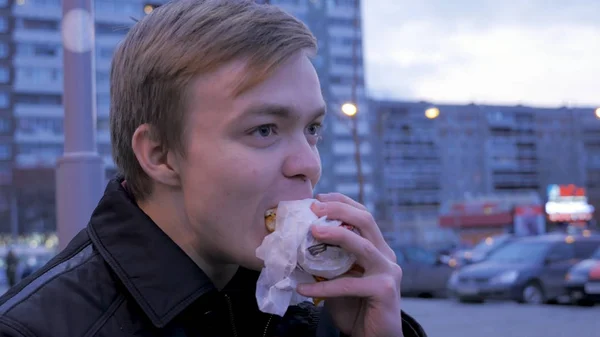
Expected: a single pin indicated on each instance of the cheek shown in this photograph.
(233, 184)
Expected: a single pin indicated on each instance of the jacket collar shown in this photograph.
(158, 274)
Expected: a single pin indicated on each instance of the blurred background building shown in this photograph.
(434, 155)
(31, 102)
(417, 158)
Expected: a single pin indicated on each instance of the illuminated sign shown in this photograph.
(559, 193)
(568, 203)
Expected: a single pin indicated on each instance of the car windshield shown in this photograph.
(489, 243)
(520, 252)
(596, 255)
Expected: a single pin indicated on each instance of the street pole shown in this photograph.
(358, 160)
(355, 133)
(80, 171)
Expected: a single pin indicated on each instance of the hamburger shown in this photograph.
(314, 250)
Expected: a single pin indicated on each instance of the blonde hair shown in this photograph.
(177, 42)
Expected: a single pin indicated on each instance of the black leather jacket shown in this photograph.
(122, 276)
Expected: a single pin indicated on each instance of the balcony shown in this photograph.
(37, 36)
(38, 87)
(38, 136)
(38, 110)
(36, 160)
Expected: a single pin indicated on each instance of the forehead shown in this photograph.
(294, 84)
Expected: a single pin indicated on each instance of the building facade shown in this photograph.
(32, 97)
(31, 86)
(474, 151)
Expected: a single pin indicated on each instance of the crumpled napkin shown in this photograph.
(292, 256)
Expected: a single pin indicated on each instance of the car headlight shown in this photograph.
(506, 277)
(577, 276)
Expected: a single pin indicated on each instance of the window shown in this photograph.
(420, 256)
(40, 125)
(110, 29)
(46, 50)
(4, 100)
(103, 99)
(5, 151)
(103, 124)
(39, 99)
(102, 76)
(35, 24)
(40, 148)
(561, 252)
(45, 3)
(3, 24)
(585, 249)
(104, 53)
(5, 125)
(4, 74)
(3, 50)
(39, 49)
(39, 75)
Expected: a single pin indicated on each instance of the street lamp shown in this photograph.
(148, 9)
(432, 113)
(80, 171)
(351, 110)
(597, 112)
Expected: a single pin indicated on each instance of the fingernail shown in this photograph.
(318, 206)
(322, 196)
(318, 230)
(303, 287)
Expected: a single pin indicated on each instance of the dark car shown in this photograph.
(529, 269)
(583, 281)
(424, 274)
(482, 250)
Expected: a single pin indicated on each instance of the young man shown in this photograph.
(216, 113)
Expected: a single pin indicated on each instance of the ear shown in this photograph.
(154, 158)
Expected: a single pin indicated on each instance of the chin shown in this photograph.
(255, 264)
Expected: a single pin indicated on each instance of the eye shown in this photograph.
(314, 129)
(264, 131)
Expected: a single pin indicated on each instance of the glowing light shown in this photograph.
(432, 113)
(148, 9)
(349, 109)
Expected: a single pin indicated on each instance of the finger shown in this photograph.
(340, 198)
(367, 255)
(379, 287)
(362, 220)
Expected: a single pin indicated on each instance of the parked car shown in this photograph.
(482, 250)
(424, 274)
(583, 281)
(527, 270)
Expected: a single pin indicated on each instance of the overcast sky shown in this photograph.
(534, 52)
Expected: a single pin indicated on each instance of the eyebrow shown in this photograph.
(280, 111)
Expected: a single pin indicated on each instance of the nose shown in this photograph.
(302, 162)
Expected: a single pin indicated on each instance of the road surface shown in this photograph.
(448, 318)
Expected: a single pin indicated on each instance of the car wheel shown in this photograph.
(533, 293)
(585, 303)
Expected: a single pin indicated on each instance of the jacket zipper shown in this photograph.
(231, 317)
(267, 326)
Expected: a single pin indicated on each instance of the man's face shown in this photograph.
(245, 154)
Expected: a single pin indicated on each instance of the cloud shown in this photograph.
(484, 52)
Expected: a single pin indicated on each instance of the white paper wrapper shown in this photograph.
(284, 250)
